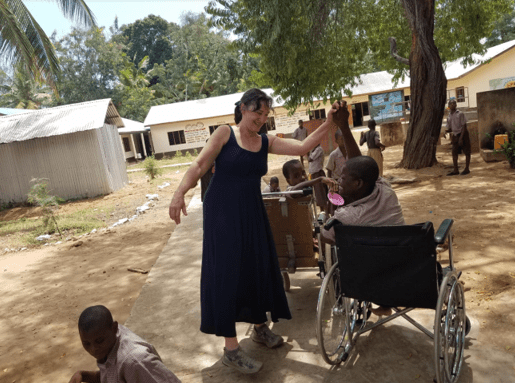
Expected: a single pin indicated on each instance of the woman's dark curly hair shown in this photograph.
(252, 98)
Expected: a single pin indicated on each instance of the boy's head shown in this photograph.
(359, 176)
(452, 105)
(338, 137)
(294, 172)
(301, 124)
(274, 182)
(372, 124)
(97, 332)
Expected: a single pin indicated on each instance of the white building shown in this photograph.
(75, 147)
(136, 140)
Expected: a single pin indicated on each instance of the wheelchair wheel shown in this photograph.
(286, 280)
(334, 339)
(450, 328)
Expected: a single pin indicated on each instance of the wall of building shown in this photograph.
(82, 164)
(131, 153)
(495, 106)
(479, 80)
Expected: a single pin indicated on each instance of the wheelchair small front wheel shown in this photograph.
(334, 339)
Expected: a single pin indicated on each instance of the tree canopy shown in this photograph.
(314, 49)
(22, 40)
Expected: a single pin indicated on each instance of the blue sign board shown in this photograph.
(386, 106)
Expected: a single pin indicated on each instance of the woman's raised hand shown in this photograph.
(176, 206)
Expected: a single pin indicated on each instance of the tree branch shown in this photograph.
(393, 51)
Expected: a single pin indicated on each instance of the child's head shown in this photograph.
(97, 331)
(274, 182)
(301, 123)
(338, 137)
(294, 172)
(372, 124)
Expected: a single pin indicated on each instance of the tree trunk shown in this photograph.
(428, 87)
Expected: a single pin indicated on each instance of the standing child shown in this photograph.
(300, 134)
(273, 187)
(316, 164)
(374, 145)
(457, 126)
(121, 355)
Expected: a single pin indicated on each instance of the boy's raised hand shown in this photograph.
(341, 113)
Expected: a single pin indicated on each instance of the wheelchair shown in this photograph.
(397, 267)
(294, 223)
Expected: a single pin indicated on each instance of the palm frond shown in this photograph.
(26, 42)
(77, 10)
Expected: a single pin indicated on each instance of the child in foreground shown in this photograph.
(296, 177)
(121, 355)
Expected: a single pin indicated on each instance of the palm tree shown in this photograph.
(24, 92)
(22, 40)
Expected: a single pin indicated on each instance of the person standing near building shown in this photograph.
(460, 139)
(375, 147)
(300, 134)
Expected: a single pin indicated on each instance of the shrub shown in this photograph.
(39, 196)
(508, 149)
(151, 167)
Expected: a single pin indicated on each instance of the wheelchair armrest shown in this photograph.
(443, 231)
(307, 191)
(330, 223)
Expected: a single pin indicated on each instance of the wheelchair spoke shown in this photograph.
(450, 331)
(333, 336)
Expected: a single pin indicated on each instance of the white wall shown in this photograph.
(478, 80)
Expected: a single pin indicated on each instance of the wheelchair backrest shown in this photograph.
(291, 221)
(389, 265)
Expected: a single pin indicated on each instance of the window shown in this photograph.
(317, 114)
(365, 108)
(212, 129)
(270, 124)
(126, 144)
(176, 138)
(460, 94)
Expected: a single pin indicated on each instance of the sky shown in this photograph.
(51, 19)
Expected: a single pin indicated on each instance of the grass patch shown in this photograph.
(23, 232)
(165, 161)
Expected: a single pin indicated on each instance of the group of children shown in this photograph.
(296, 177)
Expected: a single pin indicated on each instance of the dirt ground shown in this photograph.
(44, 289)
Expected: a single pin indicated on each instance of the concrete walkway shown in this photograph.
(167, 314)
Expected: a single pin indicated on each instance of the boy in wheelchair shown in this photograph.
(369, 199)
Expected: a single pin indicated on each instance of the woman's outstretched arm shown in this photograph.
(197, 169)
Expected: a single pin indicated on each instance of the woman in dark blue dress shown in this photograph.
(241, 280)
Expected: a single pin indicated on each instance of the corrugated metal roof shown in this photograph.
(132, 126)
(59, 120)
(455, 69)
(197, 109)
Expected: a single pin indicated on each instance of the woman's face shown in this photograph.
(255, 119)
